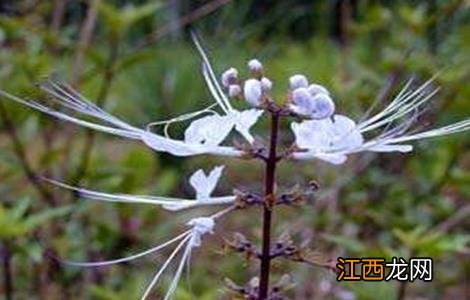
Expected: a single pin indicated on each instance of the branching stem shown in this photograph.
(270, 181)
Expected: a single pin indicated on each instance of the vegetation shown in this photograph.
(135, 58)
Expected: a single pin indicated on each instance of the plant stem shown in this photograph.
(7, 278)
(270, 180)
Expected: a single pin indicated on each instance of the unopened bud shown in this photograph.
(302, 101)
(229, 77)
(298, 81)
(255, 66)
(234, 90)
(316, 89)
(253, 92)
(266, 84)
(323, 106)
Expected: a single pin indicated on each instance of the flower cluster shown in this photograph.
(319, 133)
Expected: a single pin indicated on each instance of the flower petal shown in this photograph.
(209, 130)
(205, 185)
(244, 120)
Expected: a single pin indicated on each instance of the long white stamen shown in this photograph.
(181, 118)
(174, 282)
(403, 103)
(132, 134)
(211, 71)
(168, 203)
(157, 276)
(212, 88)
(405, 109)
(446, 130)
(127, 258)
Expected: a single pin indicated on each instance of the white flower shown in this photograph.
(202, 184)
(229, 77)
(187, 241)
(253, 92)
(255, 66)
(200, 138)
(333, 139)
(298, 81)
(327, 136)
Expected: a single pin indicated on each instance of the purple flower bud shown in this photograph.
(255, 66)
(316, 88)
(229, 77)
(323, 107)
(253, 92)
(234, 90)
(302, 101)
(266, 84)
(298, 81)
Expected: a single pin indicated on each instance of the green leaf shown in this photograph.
(39, 218)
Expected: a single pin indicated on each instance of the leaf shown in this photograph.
(119, 20)
(38, 219)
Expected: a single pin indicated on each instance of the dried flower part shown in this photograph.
(253, 92)
(229, 77)
(298, 81)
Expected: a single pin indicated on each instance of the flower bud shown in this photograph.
(234, 90)
(229, 77)
(302, 101)
(314, 89)
(266, 84)
(298, 81)
(255, 66)
(323, 107)
(253, 92)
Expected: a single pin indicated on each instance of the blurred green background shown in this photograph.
(135, 58)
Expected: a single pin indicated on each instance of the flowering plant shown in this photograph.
(319, 133)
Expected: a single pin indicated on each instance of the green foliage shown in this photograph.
(382, 205)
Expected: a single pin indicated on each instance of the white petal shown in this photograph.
(344, 133)
(205, 185)
(244, 120)
(210, 130)
(313, 134)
